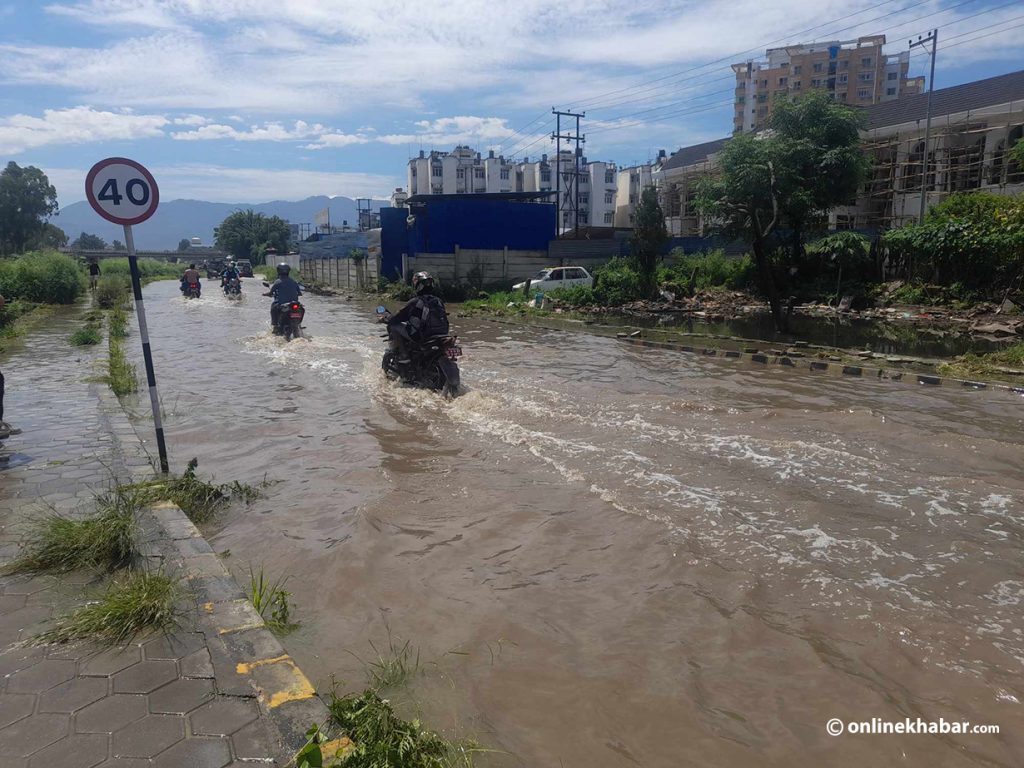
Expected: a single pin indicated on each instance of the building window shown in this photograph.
(842, 96)
(863, 93)
(478, 173)
(762, 112)
(460, 173)
(584, 198)
(504, 174)
(866, 77)
(844, 64)
(545, 175)
(796, 85)
(739, 100)
(609, 177)
(762, 98)
(609, 198)
(632, 199)
(892, 76)
(436, 171)
(797, 69)
(414, 172)
(609, 218)
(890, 91)
(867, 61)
(844, 78)
(584, 217)
(819, 66)
(743, 85)
(816, 82)
(783, 81)
(764, 83)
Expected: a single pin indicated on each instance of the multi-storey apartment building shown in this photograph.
(854, 71)
(465, 171)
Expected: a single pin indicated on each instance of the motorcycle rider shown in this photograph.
(285, 291)
(191, 276)
(230, 273)
(423, 317)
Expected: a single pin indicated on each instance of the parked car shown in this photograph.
(557, 277)
(244, 267)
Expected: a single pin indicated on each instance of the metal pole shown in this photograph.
(147, 354)
(934, 37)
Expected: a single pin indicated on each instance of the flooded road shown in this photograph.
(617, 556)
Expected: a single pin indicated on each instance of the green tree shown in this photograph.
(117, 245)
(88, 242)
(809, 162)
(247, 234)
(26, 199)
(1017, 152)
(50, 237)
(184, 244)
(649, 237)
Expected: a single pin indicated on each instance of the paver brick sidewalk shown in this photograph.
(201, 697)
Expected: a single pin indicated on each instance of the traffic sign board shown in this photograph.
(122, 191)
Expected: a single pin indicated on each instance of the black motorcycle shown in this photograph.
(233, 288)
(431, 363)
(289, 318)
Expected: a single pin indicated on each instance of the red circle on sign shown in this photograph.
(154, 191)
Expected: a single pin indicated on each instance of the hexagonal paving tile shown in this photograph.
(223, 716)
(196, 753)
(111, 714)
(73, 695)
(14, 706)
(174, 646)
(24, 657)
(41, 677)
(149, 736)
(180, 697)
(254, 742)
(111, 661)
(31, 734)
(73, 752)
(10, 603)
(197, 664)
(126, 762)
(20, 586)
(145, 677)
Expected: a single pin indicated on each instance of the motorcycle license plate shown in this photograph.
(453, 352)
(295, 315)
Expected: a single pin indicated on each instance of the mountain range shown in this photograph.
(179, 219)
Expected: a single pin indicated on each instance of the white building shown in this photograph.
(399, 198)
(632, 182)
(464, 171)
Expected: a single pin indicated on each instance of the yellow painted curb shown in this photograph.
(295, 686)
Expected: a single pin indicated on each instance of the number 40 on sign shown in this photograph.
(122, 191)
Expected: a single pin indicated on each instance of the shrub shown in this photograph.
(617, 282)
(577, 296)
(700, 271)
(85, 337)
(120, 373)
(149, 269)
(46, 277)
(113, 291)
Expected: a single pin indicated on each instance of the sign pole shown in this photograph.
(147, 353)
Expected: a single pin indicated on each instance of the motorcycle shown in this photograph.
(233, 288)
(192, 291)
(289, 319)
(432, 364)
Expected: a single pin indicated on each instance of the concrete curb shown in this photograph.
(248, 660)
(815, 366)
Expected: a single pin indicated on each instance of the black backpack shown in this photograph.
(429, 318)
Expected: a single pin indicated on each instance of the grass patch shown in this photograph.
(113, 291)
(104, 539)
(394, 670)
(130, 604)
(117, 322)
(121, 374)
(198, 499)
(270, 599)
(149, 269)
(86, 337)
(994, 364)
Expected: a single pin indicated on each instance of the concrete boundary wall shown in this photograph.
(342, 273)
(479, 266)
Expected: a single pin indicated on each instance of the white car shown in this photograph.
(557, 277)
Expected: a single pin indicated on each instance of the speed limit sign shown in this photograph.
(122, 191)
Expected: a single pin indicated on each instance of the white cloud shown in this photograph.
(76, 125)
(237, 185)
(265, 132)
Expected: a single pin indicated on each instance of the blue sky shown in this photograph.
(254, 100)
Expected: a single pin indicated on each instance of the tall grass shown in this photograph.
(132, 603)
(198, 499)
(44, 277)
(117, 322)
(121, 374)
(988, 364)
(149, 269)
(103, 539)
(270, 599)
(86, 336)
(113, 291)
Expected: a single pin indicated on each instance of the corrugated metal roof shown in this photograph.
(695, 154)
(948, 101)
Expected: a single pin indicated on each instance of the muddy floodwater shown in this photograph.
(616, 556)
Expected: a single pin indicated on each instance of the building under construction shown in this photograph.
(973, 127)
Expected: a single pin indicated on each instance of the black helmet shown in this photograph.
(283, 270)
(422, 281)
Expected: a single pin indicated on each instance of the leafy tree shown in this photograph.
(248, 235)
(184, 244)
(809, 162)
(88, 242)
(117, 245)
(1017, 152)
(649, 237)
(26, 199)
(50, 238)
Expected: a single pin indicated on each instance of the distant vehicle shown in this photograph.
(557, 277)
(244, 267)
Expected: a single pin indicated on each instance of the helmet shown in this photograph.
(283, 270)
(422, 281)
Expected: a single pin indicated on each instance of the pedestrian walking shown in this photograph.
(94, 274)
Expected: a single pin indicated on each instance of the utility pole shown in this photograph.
(922, 41)
(572, 192)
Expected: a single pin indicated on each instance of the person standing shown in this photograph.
(6, 430)
(94, 273)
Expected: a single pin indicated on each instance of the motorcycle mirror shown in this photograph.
(381, 310)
